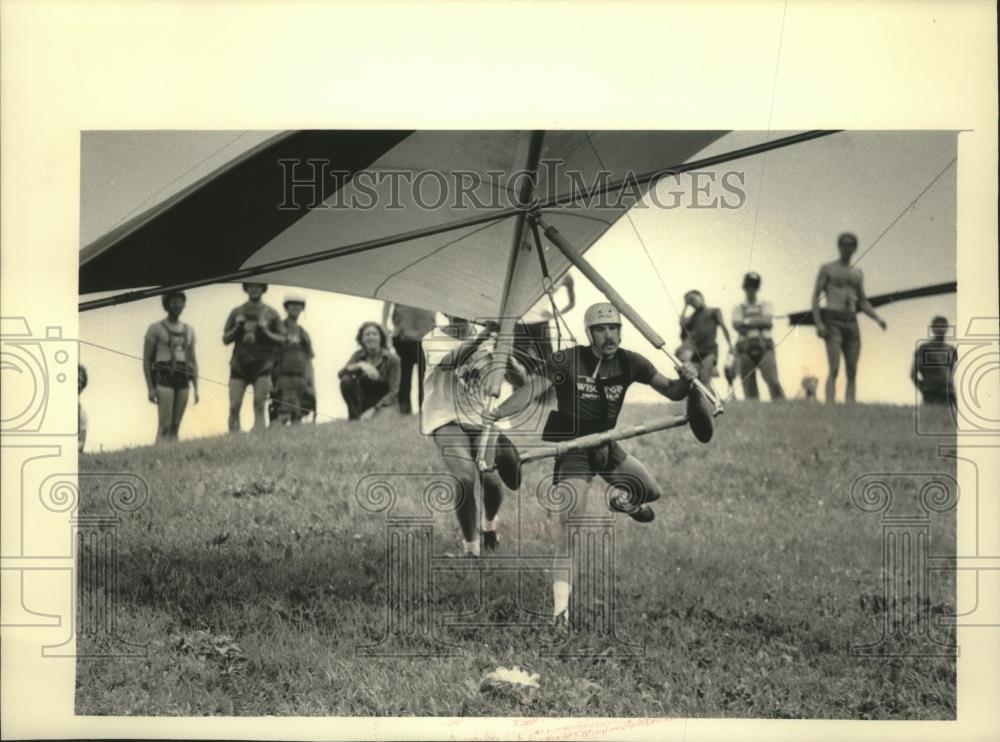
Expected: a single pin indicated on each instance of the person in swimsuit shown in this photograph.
(698, 335)
(294, 381)
(454, 395)
(170, 366)
(590, 383)
(255, 331)
(837, 322)
(753, 320)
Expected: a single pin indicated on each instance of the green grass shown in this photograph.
(253, 576)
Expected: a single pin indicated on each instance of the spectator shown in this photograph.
(81, 415)
(370, 380)
(933, 367)
(409, 326)
(837, 322)
(295, 383)
(753, 320)
(255, 330)
(170, 366)
(698, 333)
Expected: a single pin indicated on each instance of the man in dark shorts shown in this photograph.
(837, 322)
(698, 335)
(933, 367)
(255, 329)
(590, 383)
(294, 379)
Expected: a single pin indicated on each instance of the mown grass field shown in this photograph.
(253, 577)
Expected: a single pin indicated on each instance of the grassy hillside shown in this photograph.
(253, 576)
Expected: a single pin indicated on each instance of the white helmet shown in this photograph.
(601, 313)
(294, 299)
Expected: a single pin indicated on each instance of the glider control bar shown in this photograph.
(600, 439)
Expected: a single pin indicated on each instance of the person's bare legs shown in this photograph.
(180, 404)
(833, 363)
(579, 490)
(164, 412)
(237, 388)
(633, 477)
(261, 388)
(852, 351)
(455, 450)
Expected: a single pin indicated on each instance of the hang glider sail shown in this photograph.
(438, 220)
(950, 287)
(332, 210)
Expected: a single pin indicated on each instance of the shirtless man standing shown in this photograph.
(837, 322)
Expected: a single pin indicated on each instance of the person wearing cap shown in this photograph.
(752, 321)
(699, 331)
(457, 358)
(294, 381)
(254, 330)
(933, 368)
(590, 383)
(170, 366)
(837, 322)
(409, 326)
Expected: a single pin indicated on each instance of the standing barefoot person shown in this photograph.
(837, 322)
(254, 329)
(370, 380)
(170, 365)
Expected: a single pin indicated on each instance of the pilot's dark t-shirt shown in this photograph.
(589, 394)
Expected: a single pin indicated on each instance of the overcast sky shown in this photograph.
(797, 200)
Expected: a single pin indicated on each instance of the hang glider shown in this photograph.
(325, 210)
(950, 287)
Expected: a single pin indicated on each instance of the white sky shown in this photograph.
(798, 200)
